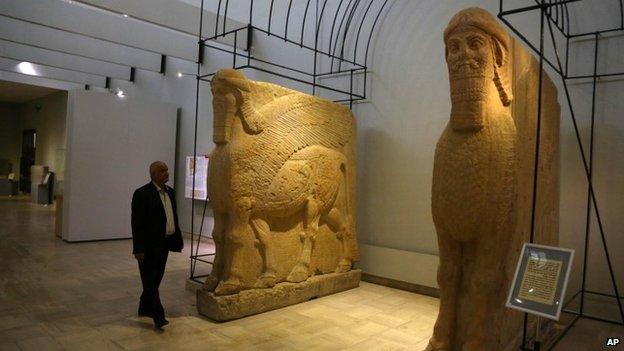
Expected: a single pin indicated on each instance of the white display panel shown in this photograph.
(111, 142)
(541, 279)
(197, 167)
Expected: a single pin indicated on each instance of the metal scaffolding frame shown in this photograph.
(346, 53)
(555, 18)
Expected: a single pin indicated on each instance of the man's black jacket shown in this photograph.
(149, 221)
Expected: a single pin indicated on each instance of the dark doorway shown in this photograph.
(29, 144)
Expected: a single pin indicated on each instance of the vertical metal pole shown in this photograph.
(234, 53)
(537, 147)
(567, 61)
(537, 345)
(590, 176)
(316, 30)
(199, 37)
(249, 44)
(351, 90)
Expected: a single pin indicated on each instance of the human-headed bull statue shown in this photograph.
(282, 171)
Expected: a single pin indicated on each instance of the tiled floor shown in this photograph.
(83, 296)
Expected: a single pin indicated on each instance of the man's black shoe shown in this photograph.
(160, 323)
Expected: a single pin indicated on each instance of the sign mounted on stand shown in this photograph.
(196, 167)
(540, 281)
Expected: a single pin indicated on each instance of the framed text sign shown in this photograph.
(196, 167)
(540, 281)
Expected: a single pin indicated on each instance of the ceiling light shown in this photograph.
(120, 93)
(27, 68)
(179, 74)
(125, 15)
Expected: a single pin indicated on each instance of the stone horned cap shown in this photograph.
(232, 78)
(478, 18)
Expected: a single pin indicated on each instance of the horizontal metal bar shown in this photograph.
(597, 76)
(201, 260)
(215, 37)
(350, 100)
(534, 7)
(342, 73)
(601, 294)
(203, 255)
(604, 31)
(571, 312)
(600, 319)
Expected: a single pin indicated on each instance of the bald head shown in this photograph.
(159, 173)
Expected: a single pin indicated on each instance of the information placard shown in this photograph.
(540, 281)
(197, 166)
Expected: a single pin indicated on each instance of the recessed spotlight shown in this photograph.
(179, 74)
(118, 92)
(27, 68)
(125, 15)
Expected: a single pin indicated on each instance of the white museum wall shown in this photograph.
(47, 115)
(111, 142)
(10, 135)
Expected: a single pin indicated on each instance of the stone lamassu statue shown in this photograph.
(474, 185)
(282, 172)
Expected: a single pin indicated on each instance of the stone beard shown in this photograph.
(471, 70)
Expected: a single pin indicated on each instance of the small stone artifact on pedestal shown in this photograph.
(482, 182)
(281, 181)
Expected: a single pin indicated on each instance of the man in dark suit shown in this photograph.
(155, 232)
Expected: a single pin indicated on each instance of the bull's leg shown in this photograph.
(301, 271)
(449, 280)
(263, 232)
(218, 235)
(235, 241)
(339, 224)
(486, 294)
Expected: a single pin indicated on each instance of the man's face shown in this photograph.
(469, 59)
(161, 174)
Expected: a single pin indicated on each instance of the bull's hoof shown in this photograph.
(211, 283)
(266, 280)
(227, 287)
(343, 266)
(298, 274)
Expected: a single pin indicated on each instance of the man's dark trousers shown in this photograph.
(152, 269)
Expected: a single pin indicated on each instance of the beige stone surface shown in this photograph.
(254, 301)
(281, 181)
(483, 179)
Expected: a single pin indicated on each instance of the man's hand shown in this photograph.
(139, 256)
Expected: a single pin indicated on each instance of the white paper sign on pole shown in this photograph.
(198, 167)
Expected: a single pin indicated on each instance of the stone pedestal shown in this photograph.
(254, 301)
